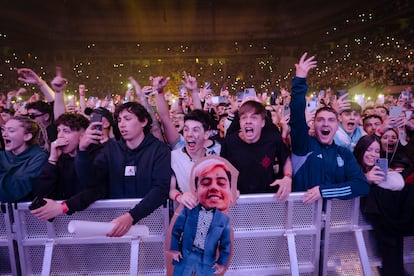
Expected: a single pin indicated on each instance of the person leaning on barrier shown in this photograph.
(389, 206)
(196, 133)
(21, 161)
(254, 150)
(58, 178)
(136, 166)
(320, 167)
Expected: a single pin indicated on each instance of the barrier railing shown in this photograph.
(8, 264)
(270, 238)
(349, 246)
(273, 237)
(48, 248)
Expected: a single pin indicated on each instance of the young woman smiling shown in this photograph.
(22, 160)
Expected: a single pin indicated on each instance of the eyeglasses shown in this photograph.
(33, 116)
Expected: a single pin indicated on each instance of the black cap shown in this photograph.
(102, 111)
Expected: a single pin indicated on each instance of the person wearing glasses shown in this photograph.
(42, 113)
(21, 161)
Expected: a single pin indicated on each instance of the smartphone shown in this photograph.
(240, 96)
(249, 92)
(37, 203)
(216, 99)
(322, 94)
(395, 111)
(286, 110)
(311, 106)
(405, 95)
(182, 91)
(95, 117)
(382, 163)
(340, 93)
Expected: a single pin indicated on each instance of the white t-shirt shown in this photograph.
(182, 164)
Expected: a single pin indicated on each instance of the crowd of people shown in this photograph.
(63, 156)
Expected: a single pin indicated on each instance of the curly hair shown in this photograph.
(73, 121)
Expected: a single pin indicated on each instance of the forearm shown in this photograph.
(58, 105)
(196, 99)
(47, 91)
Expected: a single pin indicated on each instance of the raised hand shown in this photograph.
(27, 75)
(304, 65)
(58, 83)
(189, 81)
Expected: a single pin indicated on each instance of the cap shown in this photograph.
(102, 111)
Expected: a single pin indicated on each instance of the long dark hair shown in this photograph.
(361, 147)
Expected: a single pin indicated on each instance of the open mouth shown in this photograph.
(325, 132)
(7, 141)
(351, 124)
(248, 130)
(391, 146)
(191, 143)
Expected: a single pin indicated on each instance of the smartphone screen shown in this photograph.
(395, 111)
(286, 110)
(95, 117)
(249, 92)
(382, 163)
(340, 93)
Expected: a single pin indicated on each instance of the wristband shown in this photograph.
(177, 195)
(288, 174)
(160, 90)
(65, 208)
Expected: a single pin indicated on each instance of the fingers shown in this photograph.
(310, 197)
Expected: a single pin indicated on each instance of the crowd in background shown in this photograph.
(79, 133)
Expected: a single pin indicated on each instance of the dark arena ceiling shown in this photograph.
(242, 43)
(62, 22)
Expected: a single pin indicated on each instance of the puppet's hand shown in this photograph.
(176, 255)
(219, 268)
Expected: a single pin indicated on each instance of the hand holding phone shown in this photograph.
(382, 163)
(395, 111)
(95, 117)
(37, 203)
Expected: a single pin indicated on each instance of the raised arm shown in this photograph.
(170, 132)
(155, 128)
(27, 75)
(298, 125)
(191, 83)
(82, 102)
(59, 86)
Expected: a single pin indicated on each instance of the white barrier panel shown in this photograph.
(270, 238)
(349, 242)
(7, 260)
(48, 248)
(275, 238)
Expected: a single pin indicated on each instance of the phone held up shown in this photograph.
(382, 163)
(95, 117)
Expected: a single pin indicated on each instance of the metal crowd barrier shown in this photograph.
(47, 248)
(270, 238)
(8, 264)
(273, 237)
(349, 246)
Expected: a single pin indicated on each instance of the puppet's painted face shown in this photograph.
(213, 189)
